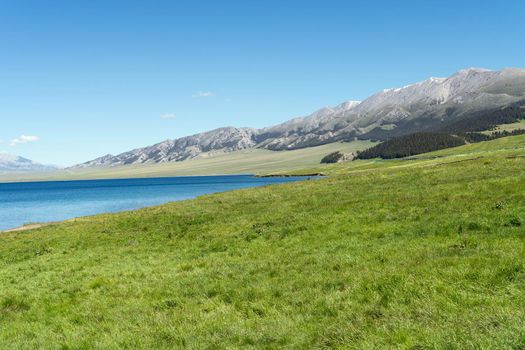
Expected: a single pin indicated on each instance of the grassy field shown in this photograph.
(255, 161)
(427, 253)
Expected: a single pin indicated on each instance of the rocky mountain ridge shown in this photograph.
(398, 111)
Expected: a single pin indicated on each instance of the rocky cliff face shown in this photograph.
(411, 108)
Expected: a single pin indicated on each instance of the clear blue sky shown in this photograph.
(94, 77)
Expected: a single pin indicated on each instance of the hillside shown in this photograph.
(420, 253)
(482, 126)
(426, 105)
(405, 146)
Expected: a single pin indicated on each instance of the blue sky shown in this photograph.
(80, 79)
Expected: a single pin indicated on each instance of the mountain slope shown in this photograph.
(219, 140)
(11, 164)
(414, 107)
(392, 112)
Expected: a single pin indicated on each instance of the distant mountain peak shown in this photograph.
(346, 105)
(10, 163)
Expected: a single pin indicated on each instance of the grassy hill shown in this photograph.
(254, 161)
(415, 254)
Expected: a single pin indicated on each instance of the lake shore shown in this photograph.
(26, 227)
(55, 201)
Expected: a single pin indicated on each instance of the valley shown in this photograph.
(252, 161)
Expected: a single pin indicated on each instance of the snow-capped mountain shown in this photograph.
(411, 108)
(10, 163)
(390, 112)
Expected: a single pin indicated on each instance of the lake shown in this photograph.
(38, 202)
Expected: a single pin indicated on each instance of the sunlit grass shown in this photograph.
(423, 253)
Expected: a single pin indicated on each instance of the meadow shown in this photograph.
(421, 253)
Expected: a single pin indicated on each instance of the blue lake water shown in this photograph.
(30, 202)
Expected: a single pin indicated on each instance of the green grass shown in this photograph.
(493, 147)
(255, 161)
(425, 253)
(472, 151)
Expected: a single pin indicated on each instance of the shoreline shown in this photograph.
(34, 226)
(5, 182)
(291, 175)
(27, 227)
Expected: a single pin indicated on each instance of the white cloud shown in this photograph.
(169, 116)
(23, 139)
(203, 94)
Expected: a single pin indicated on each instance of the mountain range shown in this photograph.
(14, 164)
(389, 113)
